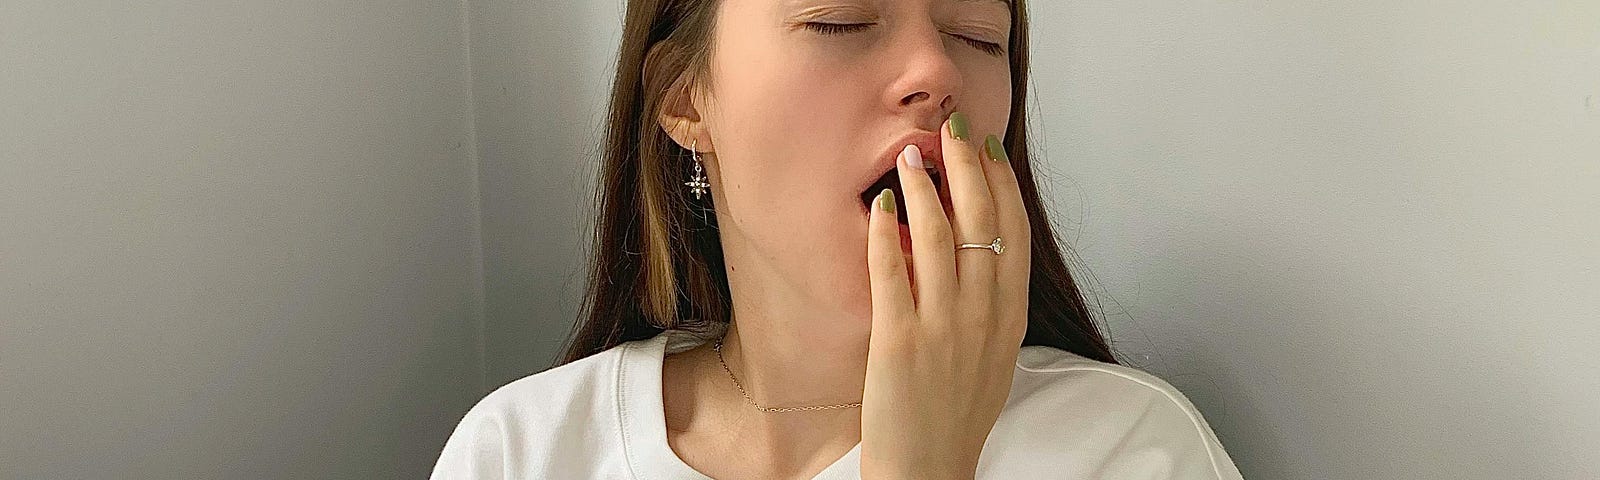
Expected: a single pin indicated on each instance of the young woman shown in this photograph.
(821, 253)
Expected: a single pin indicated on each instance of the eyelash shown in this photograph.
(843, 28)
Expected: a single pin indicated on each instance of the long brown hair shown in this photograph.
(657, 260)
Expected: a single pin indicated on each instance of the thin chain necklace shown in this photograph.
(752, 401)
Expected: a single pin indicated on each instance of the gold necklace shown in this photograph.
(752, 401)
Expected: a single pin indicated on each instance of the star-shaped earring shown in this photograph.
(699, 180)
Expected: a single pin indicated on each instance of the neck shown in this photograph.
(797, 338)
(785, 371)
(794, 369)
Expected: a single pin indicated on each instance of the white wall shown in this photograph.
(237, 239)
(1360, 235)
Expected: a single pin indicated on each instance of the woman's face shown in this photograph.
(804, 117)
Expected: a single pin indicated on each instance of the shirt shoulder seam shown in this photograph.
(621, 366)
(1166, 390)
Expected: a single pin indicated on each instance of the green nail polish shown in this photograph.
(997, 152)
(886, 201)
(958, 125)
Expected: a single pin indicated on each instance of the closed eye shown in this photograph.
(843, 28)
(837, 28)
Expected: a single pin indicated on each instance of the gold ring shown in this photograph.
(994, 246)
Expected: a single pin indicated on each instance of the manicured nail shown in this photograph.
(958, 125)
(997, 152)
(886, 201)
(913, 156)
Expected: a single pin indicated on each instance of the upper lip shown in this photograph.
(928, 142)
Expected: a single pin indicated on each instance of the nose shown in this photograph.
(929, 78)
(922, 97)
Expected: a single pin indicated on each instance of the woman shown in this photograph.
(821, 254)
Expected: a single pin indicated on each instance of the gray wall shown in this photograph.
(243, 241)
(237, 239)
(541, 77)
(1363, 236)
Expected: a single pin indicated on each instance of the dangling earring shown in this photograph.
(699, 181)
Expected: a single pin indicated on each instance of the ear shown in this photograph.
(681, 119)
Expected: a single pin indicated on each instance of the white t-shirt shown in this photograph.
(1067, 417)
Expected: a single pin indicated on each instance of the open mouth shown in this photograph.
(891, 181)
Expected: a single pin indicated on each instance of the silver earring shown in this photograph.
(699, 181)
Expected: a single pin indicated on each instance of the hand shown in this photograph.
(940, 359)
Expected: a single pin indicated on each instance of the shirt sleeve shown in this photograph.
(475, 450)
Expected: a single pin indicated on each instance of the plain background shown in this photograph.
(298, 239)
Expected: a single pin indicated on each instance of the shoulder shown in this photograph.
(553, 392)
(558, 386)
(1118, 420)
(531, 416)
(1059, 371)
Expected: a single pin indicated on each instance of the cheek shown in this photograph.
(780, 201)
(788, 84)
(785, 145)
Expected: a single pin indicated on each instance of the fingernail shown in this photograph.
(997, 152)
(886, 201)
(913, 156)
(958, 125)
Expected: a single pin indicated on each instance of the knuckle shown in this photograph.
(888, 269)
(884, 261)
(900, 316)
(1006, 174)
(937, 327)
(989, 216)
(935, 227)
(941, 232)
(970, 158)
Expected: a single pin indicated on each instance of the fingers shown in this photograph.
(932, 254)
(973, 219)
(1010, 214)
(886, 266)
(1015, 265)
